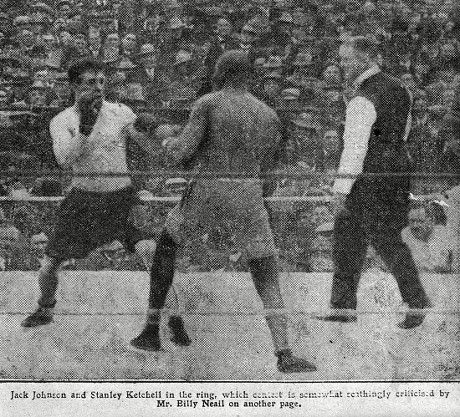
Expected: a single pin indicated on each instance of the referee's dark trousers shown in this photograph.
(375, 213)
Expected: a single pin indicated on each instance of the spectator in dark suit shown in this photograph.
(221, 42)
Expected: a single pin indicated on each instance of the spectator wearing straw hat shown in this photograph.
(26, 39)
(63, 8)
(39, 25)
(178, 37)
(272, 88)
(22, 22)
(129, 88)
(129, 45)
(59, 24)
(303, 66)
(274, 63)
(183, 90)
(330, 95)
(221, 41)
(78, 48)
(249, 38)
(4, 99)
(155, 82)
(95, 44)
(39, 95)
(6, 26)
(41, 9)
(304, 134)
(290, 100)
(282, 40)
(111, 49)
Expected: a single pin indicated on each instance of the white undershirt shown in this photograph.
(360, 117)
(104, 150)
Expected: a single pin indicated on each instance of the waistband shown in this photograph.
(125, 190)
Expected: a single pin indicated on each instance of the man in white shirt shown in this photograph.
(429, 243)
(90, 138)
(373, 208)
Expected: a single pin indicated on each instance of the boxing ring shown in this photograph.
(99, 312)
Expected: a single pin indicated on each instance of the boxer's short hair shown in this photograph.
(364, 44)
(78, 67)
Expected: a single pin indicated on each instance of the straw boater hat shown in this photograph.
(325, 228)
(289, 94)
(62, 2)
(115, 246)
(43, 7)
(250, 29)
(9, 233)
(307, 120)
(273, 76)
(21, 20)
(303, 60)
(125, 64)
(176, 23)
(286, 18)
(39, 238)
(259, 62)
(147, 49)
(273, 61)
(182, 57)
(38, 85)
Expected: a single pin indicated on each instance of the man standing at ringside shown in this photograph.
(229, 130)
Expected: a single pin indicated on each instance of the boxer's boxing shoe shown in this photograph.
(178, 334)
(341, 318)
(148, 339)
(288, 363)
(43, 315)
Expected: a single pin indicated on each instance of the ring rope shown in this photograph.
(260, 312)
(224, 174)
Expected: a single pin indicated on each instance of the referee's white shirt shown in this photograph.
(103, 151)
(360, 116)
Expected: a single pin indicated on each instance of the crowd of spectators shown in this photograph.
(160, 57)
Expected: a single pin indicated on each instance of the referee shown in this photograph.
(373, 209)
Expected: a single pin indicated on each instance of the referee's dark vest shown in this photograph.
(387, 150)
